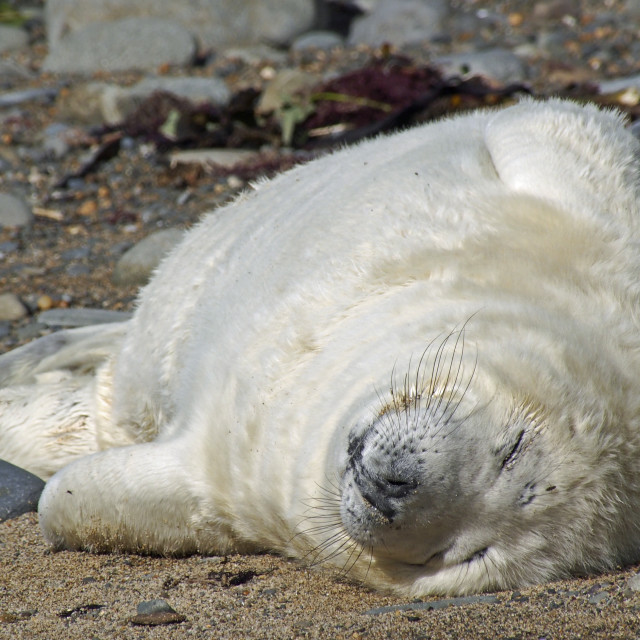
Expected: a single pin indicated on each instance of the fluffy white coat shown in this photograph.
(222, 413)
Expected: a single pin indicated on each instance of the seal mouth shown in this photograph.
(439, 558)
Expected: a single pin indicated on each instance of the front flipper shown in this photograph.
(142, 498)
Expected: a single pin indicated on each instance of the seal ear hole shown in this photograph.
(478, 555)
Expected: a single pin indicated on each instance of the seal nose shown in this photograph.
(383, 487)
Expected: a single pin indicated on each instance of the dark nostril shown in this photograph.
(396, 487)
(383, 492)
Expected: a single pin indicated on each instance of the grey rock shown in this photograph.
(116, 103)
(76, 269)
(82, 101)
(634, 582)
(553, 9)
(12, 38)
(256, 54)
(8, 247)
(77, 253)
(206, 157)
(19, 491)
(132, 43)
(400, 22)
(54, 140)
(601, 597)
(215, 23)
(499, 64)
(156, 612)
(14, 212)
(30, 331)
(317, 40)
(81, 317)
(434, 604)
(614, 85)
(137, 264)
(14, 98)
(11, 307)
(632, 7)
(155, 606)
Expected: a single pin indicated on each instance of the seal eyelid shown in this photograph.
(509, 459)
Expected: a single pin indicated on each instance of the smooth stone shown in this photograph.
(75, 270)
(499, 64)
(400, 22)
(14, 211)
(12, 38)
(155, 606)
(15, 98)
(116, 103)
(30, 331)
(78, 253)
(55, 140)
(121, 45)
(156, 612)
(215, 23)
(8, 247)
(137, 264)
(614, 85)
(434, 604)
(11, 307)
(634, 582)
(255, 54)
(81, 317)
(222, 157)
(19, 491)
(82, 102)
(317, 40)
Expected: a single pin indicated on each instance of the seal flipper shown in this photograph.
(578, 157)
(50, 401)
(141, 498)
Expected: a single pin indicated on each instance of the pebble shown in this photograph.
(19, 491)
(434, 604)
(30, 331)
(205, 157)
(614, 85)
(116, 103)
(634, 582)
(498, 64)
(137, 264)
(317, 40)
(14, 211)
(156, 612)
(131, 43)
(400, 22)
(11, 307)
(14, 98)
(81, 317)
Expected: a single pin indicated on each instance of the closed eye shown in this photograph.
(513, 452)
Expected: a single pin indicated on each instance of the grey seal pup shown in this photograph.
(416, 359)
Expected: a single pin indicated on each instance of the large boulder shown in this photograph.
(215, 23)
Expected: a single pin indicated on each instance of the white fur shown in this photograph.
(274, 329)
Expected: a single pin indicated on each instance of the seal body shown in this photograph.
(417, 359)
